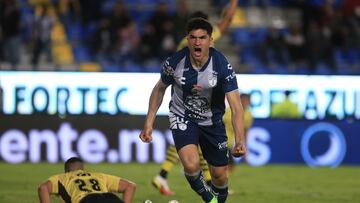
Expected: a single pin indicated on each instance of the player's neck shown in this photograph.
(198, 64)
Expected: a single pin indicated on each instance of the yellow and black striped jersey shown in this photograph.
(248, 121)
(71, 187)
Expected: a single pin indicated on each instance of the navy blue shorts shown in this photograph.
(212, 139)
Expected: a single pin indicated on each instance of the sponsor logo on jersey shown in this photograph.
(231, 76)
(197, 104)
(177, 122)
(223, 145)
(196, 89)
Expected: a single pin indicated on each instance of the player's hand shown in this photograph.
(239, 150)
(145, 135)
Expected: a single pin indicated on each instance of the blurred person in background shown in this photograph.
(181, 18)
(295, 43)
(90, 10)
(318, 46)
(68, 11)
(159, 36)
(220, 28)
(78, 185)
(200, 78)
(248, 121)
(124, 36)
(10, 17)
(41, 35)
(275, 47)
(286, 108)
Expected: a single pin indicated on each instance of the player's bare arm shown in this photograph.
(227, 15)
(237, 118)
(155, 101)
(127, 188)
(44, 191)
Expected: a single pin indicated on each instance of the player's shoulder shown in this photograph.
(218, 56)
(173, 60)
(179, 55)
(216, 52)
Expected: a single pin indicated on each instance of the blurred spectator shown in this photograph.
(295, 43)
(159, 34)
(101, 41)
(352, 14)
(10, 31)
(124, 36)
(68, 11)
(148, 44)
(181, 17)
(220, 27)
(318, 46)
(119, 18)
(90, 10)
(328, 35)
(285, 108)
(275, 47)
(126, 45)
(42, 28)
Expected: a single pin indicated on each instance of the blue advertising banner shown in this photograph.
(114, 139)
(316, 143)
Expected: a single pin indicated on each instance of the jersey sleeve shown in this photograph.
(170, 64)
(112, 182)
(229, 77)
(167, 72)
(54, 182)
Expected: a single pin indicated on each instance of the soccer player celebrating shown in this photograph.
(77, 185)
(200, 78)
(160, 180)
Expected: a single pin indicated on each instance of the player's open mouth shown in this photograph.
(197, 51)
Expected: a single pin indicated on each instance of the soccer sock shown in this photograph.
(171, 159)
(163, 173)
(221, 192)
(198, 184)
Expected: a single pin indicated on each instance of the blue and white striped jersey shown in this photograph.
(198, 95)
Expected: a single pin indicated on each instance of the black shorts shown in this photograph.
(212, 139)
(101, 197)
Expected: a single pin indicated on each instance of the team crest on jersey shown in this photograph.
(213, 79)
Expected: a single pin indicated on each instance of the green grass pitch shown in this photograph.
(267, 184)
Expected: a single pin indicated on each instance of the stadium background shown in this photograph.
(93, 41)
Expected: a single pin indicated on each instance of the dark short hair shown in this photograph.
(199, 23)
(199, 14)
(71, 161)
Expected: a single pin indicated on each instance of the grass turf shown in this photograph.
(267, 184)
